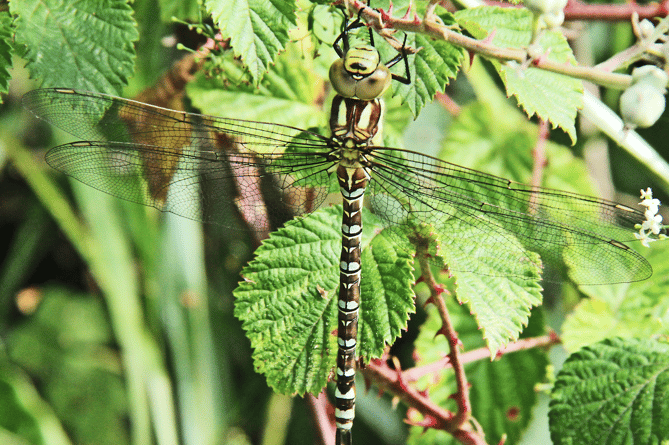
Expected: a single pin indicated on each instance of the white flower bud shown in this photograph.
(641, 105)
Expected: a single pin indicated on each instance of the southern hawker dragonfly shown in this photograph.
(158, 157)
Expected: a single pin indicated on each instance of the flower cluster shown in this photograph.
(652, 226)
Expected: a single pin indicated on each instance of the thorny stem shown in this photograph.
(475, 355)
(462, 396)
(459, 424)
(398, 383)
(431, 25)
(390, 380)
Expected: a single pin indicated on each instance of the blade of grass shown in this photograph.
(107, 252)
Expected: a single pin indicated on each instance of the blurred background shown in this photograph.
(116, 321)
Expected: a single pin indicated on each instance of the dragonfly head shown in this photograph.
(360, 74)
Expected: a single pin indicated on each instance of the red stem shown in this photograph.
(324, 421)
(578, 10)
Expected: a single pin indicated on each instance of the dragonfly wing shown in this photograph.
(158, 157)
(95, 117)
(192, 182)
(565, 228)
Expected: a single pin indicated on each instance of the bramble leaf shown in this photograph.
(288, 301)
(431, 70)
(91, 42)
(551, 96)
(613, 392)
(258, 29)
(502, 291)
(5, 51)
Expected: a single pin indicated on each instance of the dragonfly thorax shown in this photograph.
(356, 123)
(359, 74)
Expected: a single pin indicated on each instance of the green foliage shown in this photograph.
(502, 291)
(151, 355)
(15, 417)
(499, 408)
(64, 346)
(431, 70)
(613, 392)
(551, 96)
(91, 42)
(188, 10)
(288, 299)
(625, 310)
(506, 150)
(286, 95)
(5, 51)
(258, 29)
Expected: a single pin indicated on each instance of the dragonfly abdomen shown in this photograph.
(352, 182)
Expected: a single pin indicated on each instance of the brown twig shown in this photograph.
(432, 27)
(323, 412)
(436, 417)
(169, 89)
(578, 10)
(540, 161)
(414, 374)
(448, 331)
(448, 103)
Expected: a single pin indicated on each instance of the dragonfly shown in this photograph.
(180, 162)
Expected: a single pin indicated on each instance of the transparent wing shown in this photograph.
(160, 157)
(506, 218)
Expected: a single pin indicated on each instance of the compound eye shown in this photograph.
(374, 85)
(341, 80)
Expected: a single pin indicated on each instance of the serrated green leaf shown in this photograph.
(501, 392)
(502, 292)
(258, 29)
(90, 42)
(551, 96)
(386, 295)
(431, 70)
(6, 32)
(638, 310)
(288, 301)
(613, 392)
